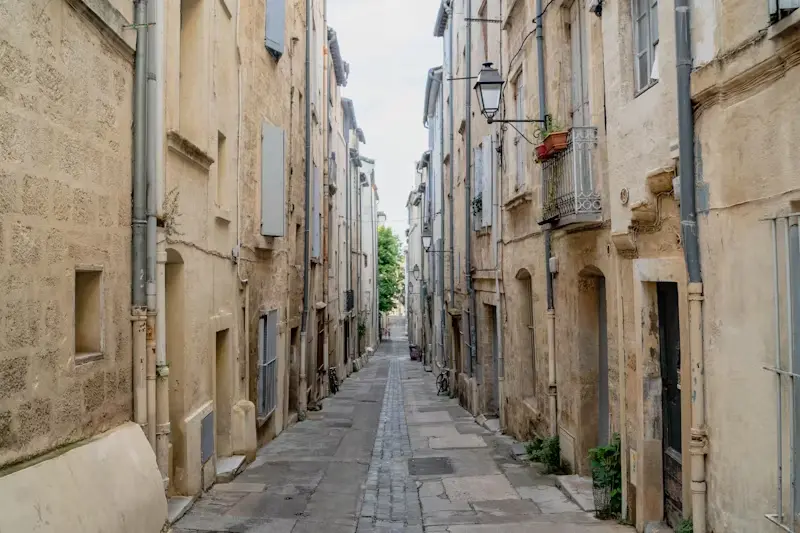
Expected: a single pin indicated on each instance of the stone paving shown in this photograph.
(385, 455)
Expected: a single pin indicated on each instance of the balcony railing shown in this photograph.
(569, 192)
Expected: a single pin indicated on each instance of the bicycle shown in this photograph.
(442, 380)
(333, 381)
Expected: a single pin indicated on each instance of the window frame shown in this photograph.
(652, 43)
(519, 149)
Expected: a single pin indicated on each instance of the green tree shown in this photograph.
(390, 269)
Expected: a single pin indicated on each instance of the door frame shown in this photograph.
(646, 465)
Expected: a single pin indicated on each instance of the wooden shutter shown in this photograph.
(273, 175)
(315, 214)
(275, 31)
(477, 186)
(488, 200)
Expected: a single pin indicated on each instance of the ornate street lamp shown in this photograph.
(489, 88)
(490, 91)
(426, 242)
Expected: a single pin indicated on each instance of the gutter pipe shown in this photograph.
(551, 311)
(698, 445)
(440, 271)
(473, 356)
(303, 399)
(138, 219)
(158, 371)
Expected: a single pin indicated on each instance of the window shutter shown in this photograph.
(273, 175)
(488, 200)
(477, 186)
(315, 215)
(275, 27)
(262, 364)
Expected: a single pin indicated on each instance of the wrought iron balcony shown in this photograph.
(569, 188)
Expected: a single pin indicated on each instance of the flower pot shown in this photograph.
(542, 152)
(556, 141)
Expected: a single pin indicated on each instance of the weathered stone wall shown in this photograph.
(65, 182)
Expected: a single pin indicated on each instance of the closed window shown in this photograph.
(645, 42)
(267, 364)
(519, 142)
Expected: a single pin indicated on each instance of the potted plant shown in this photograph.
(607, 479)
(554, 136)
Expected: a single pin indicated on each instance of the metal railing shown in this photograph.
(786, 298)
(568, 184)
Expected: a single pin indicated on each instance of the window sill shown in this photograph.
(81, 358)
(646, 88)
(520, 197)
(222, 214)
(784, 26)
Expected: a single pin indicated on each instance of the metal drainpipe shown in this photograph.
(452, 161)
(440, 273)
(551, 311)
(303, 399)
(138, 220)
(691, 247)
(473, 355)
(360, 268)
(155, 126)
(348, 250)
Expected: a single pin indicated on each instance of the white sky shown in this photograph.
(390, 47)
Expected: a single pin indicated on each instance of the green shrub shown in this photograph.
(607, 478)
(685, 526)
(546, 451)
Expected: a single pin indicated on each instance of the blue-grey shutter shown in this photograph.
(275, 33)
(273, 177)
(477, 186)
(315, 214)
(488, 179)
(262, 363)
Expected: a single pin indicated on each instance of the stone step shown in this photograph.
(578, 489)
(177, 507)
(229, 467)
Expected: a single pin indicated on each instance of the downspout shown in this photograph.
(326, 205)
(452, 166)
(139, 220)
(360, 267)
(552, 389)
(473, 355)
(348, 252)
(155, 160)
(698, 445)
(498, 234)
(497, 228)
(440, 251)
(302, 400)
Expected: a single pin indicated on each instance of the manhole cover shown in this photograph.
(339, 424)
(430, 466)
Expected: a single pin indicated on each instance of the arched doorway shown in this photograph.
(174, 318)
(595, 420)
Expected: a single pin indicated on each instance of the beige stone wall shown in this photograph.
(746, 144)
(65, 182)
(273, 266)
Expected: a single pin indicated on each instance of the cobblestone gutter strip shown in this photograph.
(391, 500)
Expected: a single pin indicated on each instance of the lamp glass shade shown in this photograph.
(426, 242)
(489, 88)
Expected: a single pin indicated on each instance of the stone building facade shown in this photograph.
(630, 341)
(212, 365)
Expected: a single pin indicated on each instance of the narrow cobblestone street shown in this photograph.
(385, 455)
